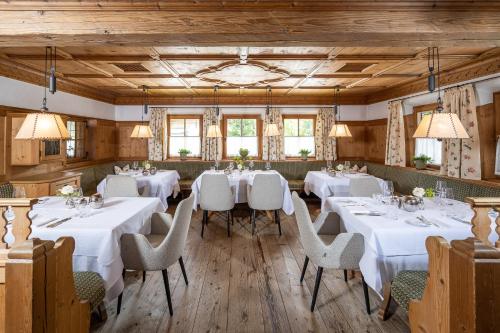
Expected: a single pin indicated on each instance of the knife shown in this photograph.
(460, 220)
(55, 224)
(426, 221)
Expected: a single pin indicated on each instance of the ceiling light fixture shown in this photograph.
(271, 128)
(439, 124)
(43, 125)
(431, 80)
(143, 131)
(338, 130)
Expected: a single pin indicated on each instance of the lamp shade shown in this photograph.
(340, 131)
(214, 131)
(42, 125)
(271, 130)
(142, 132)
(444, 125)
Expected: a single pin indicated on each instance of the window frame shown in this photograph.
(298, 116)
(84, 140)
(257, 117)
(184, 116)
(417, 109)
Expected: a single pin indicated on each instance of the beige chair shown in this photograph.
(344, 252)
(160, 249)
(266, 193)
(364, 187)
(120, 186)
(216, 196)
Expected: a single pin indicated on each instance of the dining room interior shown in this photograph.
(249, 166)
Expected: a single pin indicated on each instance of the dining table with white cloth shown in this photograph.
(97, 235)
(238, 180)
(395, 240)
(324, 185)
(161, 185)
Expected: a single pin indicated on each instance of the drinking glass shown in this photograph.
(81, 207)
(216, 164)
(448, 195)
(328, 164)
(323, 169)
(212, 168)
(347, 165)
(135, 165)
(389, 188)
(440, 185)
(251, 165)
(268, 165)
(231, 166)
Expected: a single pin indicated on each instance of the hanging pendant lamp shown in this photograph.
(439, 124)
(44, 125)
(213, 130)
(143, 131)
(338, 130)
(271, 128)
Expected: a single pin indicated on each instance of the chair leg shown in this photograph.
(203, 222)
(119, 305)
(253, 221)
(345, 275)
(232, 216)
(383, 312)
(167, 290)
(101, 311)
(278, 220)
(228, 224)
(143, 276)
(367, 297)
(306, 261)
(183, 269)
(316, 287)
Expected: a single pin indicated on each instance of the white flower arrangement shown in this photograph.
(340, 167)
(418, 192)
(67, 191)
(147, 166)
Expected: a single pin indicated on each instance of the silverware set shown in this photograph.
(55, 224)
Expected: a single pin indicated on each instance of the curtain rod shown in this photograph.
(446, 87)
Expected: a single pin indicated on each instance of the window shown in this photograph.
(184, 132)
(242, 132)
(299, 134)
(429, 147)
(75, 145)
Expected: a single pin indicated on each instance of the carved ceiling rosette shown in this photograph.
(237, 74)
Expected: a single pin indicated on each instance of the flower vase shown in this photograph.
(70, 203)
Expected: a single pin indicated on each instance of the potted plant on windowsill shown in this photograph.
(183, 153)
(304, 153)
(421, 161)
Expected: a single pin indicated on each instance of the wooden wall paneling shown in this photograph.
(3, 145)
(496, 101)
(130, 148)
(102, 136)
(487, 138)
(23, 152)
(376, 131)
(354, 147)
(410, 122)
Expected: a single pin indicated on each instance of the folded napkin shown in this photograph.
(355, 167)
(363, 169)
(119, 170)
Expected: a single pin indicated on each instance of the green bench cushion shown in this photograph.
(6, 190)
(408, 285)
(89, 286)
(296, 185)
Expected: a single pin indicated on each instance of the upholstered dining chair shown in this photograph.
(364, 187)
(216, 196)
(120, 186)
(160, 249)
(344, 252)
(266, 193)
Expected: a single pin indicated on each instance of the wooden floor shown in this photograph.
(245, 284)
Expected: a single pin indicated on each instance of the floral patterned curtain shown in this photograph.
(461, 158)
(326, 147)
(273, 147)
(395, 138)
(209, 146)
(157, 146)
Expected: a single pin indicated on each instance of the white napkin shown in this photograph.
(363, 169)
(355, 167)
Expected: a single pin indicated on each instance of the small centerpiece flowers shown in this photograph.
(418, 192)
(340, 167)
(68, 192)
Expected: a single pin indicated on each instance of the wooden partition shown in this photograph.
(37, 292)
(463, 286)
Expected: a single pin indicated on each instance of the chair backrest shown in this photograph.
(174, 243)
(364, 187)
(266, 192)
(120, 186)
(215, 193)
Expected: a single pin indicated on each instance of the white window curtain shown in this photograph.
(210, 146)
(395, 138)
(273, 147)
(461, 158)
(326, 147)
(157, 145)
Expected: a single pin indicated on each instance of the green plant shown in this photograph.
(424, 158)
(429, 192)
(243, 153)
(184, 151)
(304, 152)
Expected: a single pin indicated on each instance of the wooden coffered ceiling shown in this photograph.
(108, 50)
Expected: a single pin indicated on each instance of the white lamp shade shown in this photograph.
(214, 131)
(271, 130)
(340, 131)
(142, 132)
(44, 126)
(444, 125)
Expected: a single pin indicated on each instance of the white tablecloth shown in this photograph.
(161, 185)
(393, 245)
(324, 185)
(238, 182)
(97, 237)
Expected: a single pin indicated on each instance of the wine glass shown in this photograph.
(135, 165)
(231, 166)
(251, 165)
(448, 195)
(347, 166)
(389, 188)
(216, 164)
(268, 165)
(329, 164)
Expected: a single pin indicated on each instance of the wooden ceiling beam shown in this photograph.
(343, 26)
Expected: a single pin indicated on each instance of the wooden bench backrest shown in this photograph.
(463, 286)
(37, 292)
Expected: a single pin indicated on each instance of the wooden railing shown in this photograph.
(463, 286)
(37, 292)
